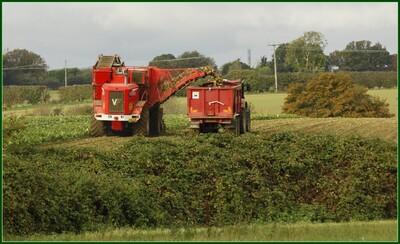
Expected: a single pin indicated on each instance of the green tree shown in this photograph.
(23, 67)
(333, 95)
(306, 53)
(194, 59)
(55, 78)
(393, 62)
(263, 62)
(281, 65)
(234, 65)
(188, 59)
(163, 61)
(362, 56)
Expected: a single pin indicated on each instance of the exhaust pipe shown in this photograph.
(126, 75)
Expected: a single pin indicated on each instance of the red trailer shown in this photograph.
(217, 106)
(126, 99)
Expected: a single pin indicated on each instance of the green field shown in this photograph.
(352, 231)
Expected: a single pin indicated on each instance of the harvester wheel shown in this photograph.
(156, 120)
(96, 127)
(142, 127)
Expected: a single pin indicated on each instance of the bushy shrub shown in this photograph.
(333, 95)
(75, 93)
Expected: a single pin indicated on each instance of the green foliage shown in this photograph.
(13, 95)
(374, 79)
(56, 78)
(232, 66)
(257, 81)
(306, 53)
(209, 180)
(188, 59)
(23, 67)
(333, 95)
(75, 93)
(362, 56)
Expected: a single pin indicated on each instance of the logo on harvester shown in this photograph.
(114, 101)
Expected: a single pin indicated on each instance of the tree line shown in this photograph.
(302, 55)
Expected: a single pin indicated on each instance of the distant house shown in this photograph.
(333, 68)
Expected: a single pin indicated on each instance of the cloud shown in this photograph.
(224, 31)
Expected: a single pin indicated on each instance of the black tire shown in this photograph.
(236, 126)
(142, 127)
(97, 127)
(156, 120)
(243, 123)
(248, 127)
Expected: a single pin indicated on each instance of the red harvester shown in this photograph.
(218, 105)
(127, 99)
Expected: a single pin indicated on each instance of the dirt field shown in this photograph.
(369, 127)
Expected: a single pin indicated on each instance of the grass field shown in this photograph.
(352, 231)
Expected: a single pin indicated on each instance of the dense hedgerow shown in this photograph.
(75, 93)
(13, 95)
(209, 180)
(261, 83)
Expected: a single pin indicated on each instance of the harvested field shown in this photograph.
(368, 127)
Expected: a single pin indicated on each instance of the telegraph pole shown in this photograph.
(276, 74)
(65, 72)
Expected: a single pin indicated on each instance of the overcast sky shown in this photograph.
(79, 32)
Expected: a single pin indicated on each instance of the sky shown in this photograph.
(140, 31)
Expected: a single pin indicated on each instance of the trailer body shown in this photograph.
(212, 107)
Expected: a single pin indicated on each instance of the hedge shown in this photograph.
(14, 95)
(75, 93)
(261, 83)
(209, 180)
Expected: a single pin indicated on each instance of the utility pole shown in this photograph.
(65, 72)
(276, 74)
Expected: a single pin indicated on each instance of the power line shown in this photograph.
(25, 67)
(175, 59)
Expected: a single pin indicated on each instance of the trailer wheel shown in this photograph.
(243, 123)
(142, 127)
(97, 127)
(236, 126)
(247, 115)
